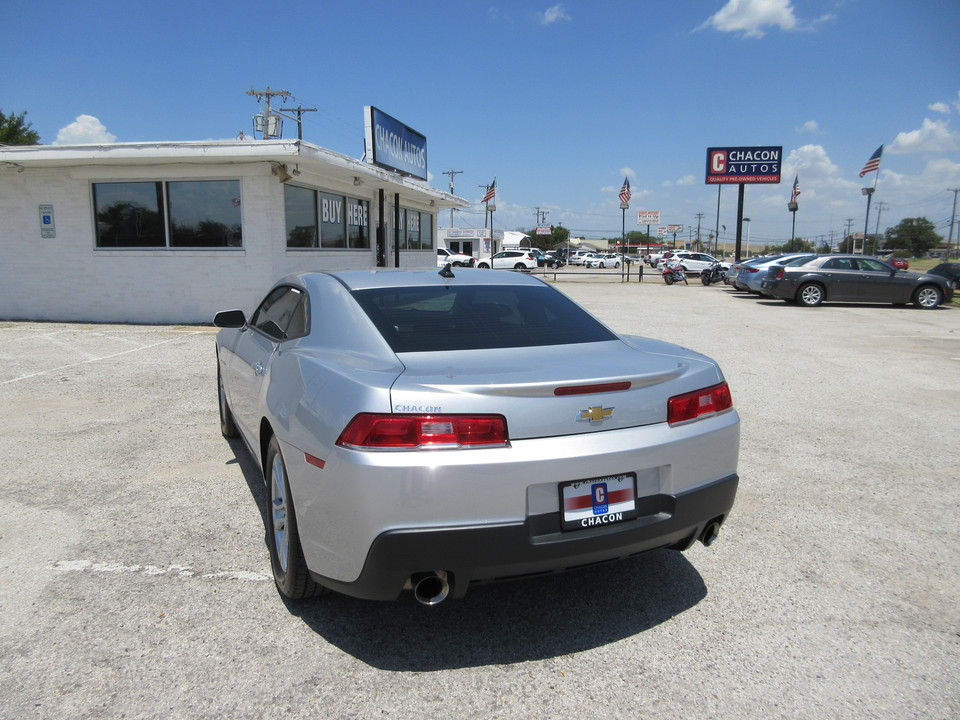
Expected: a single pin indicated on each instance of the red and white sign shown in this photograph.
(648, 217)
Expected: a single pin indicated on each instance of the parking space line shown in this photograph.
(182, 571)
(86, 362)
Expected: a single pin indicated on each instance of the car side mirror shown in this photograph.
(230, 319)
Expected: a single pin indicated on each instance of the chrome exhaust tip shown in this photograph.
(430, 588)
(710, 533)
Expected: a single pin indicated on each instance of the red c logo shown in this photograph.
(718, 161)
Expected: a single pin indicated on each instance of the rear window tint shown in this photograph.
(431, 319)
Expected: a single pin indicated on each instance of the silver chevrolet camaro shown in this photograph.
(435, 430)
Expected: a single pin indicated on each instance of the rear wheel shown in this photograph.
(928, 297)
(810, 294)
(519, 266)
(283, 537)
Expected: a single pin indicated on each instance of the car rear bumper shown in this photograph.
(472, 555)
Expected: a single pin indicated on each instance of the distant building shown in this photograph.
(171, 232)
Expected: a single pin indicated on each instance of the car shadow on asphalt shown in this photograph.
(495, 624)
(513, 622)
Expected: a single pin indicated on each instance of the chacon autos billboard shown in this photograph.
(393, 145)
(744, 164)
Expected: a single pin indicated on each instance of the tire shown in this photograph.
(601, 266)
(458, 264)
(928, 297)
(810, 294)
(668, 279)
(227, 425)
(483, 266)
(519, 266)
(283, 538)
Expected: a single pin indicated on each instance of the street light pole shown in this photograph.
(747, 221)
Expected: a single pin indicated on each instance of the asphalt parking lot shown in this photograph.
(134, 578)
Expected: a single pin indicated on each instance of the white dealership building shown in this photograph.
(171, 232)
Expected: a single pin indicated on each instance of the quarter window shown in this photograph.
(283, 314)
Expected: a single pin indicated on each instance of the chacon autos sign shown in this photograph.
(393, 145)
(744, 164)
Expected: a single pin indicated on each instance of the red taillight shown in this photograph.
(692, 405)
(398, 432)
(780, 273)
(750, 269)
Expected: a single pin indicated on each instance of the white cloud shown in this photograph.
(629, 172)
(553, 14)
(939, 107)
(810, 126)
(86, 129)
(751, 17)
(932, 136)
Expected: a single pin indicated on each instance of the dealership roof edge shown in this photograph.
(282, 152)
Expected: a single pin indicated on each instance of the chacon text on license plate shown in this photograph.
(598, 501)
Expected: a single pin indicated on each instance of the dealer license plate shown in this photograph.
(598, 501)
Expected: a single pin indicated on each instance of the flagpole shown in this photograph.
(868, 191)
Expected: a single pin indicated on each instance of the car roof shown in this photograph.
(384, 277)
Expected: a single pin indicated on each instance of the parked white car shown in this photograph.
(509, 260)
(604, 260)
(445, 256)
(694, 262)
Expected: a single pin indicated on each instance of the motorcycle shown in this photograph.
(673, 272)
(712, 274)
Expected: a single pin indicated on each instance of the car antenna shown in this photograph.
(446, 272)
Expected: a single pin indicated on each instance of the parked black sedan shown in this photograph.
(949, 270)
(856, 278)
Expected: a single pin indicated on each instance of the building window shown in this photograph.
(129, 214)
(333, 230)
(358, 223)
(321, 219)
(300, 207)
(204, 213)
(416, 230)
(176, 214)
(413, 230)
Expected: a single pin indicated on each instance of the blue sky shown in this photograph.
(559, 102)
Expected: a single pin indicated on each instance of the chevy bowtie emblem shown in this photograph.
(594, 414)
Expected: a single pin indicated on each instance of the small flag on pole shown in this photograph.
(625, 191)
(796, 189)
(491, 192)
(873, 163)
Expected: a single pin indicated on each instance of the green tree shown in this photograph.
(917, 235)
(797, 245)
(15, 130)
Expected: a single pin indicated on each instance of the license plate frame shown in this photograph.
(582, 503)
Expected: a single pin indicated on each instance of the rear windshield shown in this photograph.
(430, 319)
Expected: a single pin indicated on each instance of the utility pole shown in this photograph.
(953, 215)
(266, 96)
(699, 217)
(881, 206)
(451, 173)
(848, 235)
(299, 111)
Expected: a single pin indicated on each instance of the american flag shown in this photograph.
(625, 191)
(491, 192)
(796, 189)
(873, 163)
